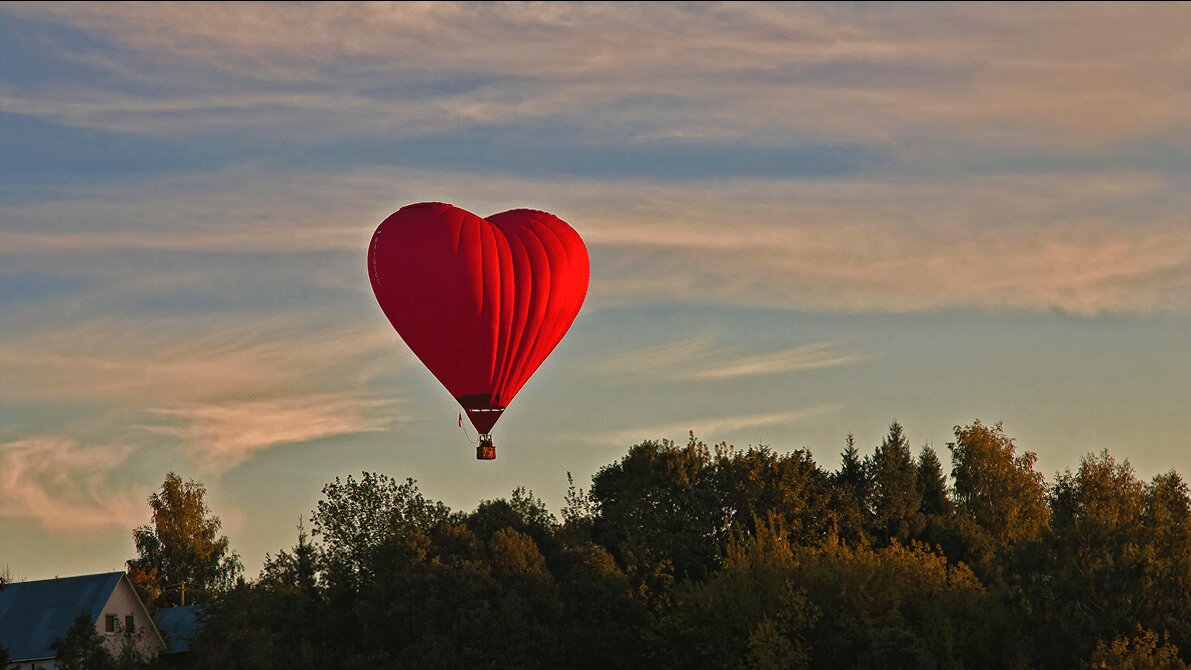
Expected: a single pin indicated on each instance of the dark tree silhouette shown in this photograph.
(896, 493)
(697, 557)
(82, 647)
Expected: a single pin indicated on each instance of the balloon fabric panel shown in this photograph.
(480, 302)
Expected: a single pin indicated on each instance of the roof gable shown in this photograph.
(35, 614)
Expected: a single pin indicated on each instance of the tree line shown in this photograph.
(697, 556)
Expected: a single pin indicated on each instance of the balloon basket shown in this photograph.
(485, 451)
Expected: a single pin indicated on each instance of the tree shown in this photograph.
(758, 483)
(356, 517)
(372, 535)
(523, 512)
(129, 656)
(697, 557)
(933, 484)
(578, 515)
(273, 623)
(897, 497)
(602, 624)
(659, 513)
(749, 609)
(1166, 525)
(242, 631)
(1104, 576)
(294, 571)
(898, 607)
(1143, 651)
(82, 647)
(851, 497)
(937, 509)
(851, 472)
(182, 555)
(523, 629)
(1000, 500)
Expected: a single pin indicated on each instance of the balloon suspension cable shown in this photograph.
(463, 427)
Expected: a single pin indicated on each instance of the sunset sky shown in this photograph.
(803, 221)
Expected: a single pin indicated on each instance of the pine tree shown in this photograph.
(851, 472)
(897, 497)
(935, 499)
(852, 491)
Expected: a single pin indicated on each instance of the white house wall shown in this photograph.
(123, 602)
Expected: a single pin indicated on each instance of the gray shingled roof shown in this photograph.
(35, 614)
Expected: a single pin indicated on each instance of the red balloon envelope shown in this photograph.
(482, 302)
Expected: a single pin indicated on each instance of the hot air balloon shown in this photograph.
(481, 302)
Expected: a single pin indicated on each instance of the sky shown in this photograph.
(804, 221)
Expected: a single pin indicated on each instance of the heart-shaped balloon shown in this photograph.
(481, 302)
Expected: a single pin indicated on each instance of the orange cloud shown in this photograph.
(1082, 242)
(63, 485)
(223, 393)
(220, 436)
(143, 361)
(1039, 75)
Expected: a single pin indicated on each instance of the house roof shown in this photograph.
(35, 614)
(178, 625)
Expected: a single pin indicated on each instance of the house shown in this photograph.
(178, 625)
(35, 614)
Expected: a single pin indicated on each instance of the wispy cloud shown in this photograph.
(220, 436)
(663, 360)
(1086, 242)
(702, 359)
(238, 239)
(237, 210)
(64, 486)
(806, 357)
(221, 394)
(709, 429)
(1044, 74)
(144, 360)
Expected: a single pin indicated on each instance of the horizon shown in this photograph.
(803, 222)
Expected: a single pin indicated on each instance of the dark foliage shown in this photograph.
(82, 647)
(697, 557)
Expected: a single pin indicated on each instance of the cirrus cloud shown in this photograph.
(63, 485)
(220, 436)
(1084, 242)
(1059, 75)
(701, 359)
